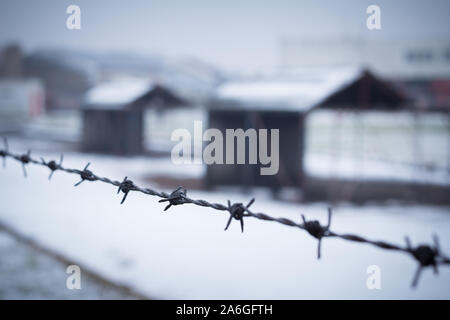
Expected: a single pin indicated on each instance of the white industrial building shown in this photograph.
(391, 58)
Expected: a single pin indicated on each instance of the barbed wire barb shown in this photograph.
(4, 152)
(318, 231)
(177, 197)
(237, 211)
(25, 159)
(125, 186)
(426, 257)
(85, 175)
(52, 165)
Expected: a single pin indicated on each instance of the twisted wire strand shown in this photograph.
(425, 255)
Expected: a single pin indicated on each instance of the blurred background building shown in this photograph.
(124, 104)
(113, 119)
(21, 97)
(346, 133)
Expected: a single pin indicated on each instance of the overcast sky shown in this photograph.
(235, 35)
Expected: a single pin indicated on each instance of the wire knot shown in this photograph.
(426, 256)
(86, 175)
(25, 159)
(175, 198)
(314, 228)
(52, 165)
(125, 186)
(237, 211)
(4, 152)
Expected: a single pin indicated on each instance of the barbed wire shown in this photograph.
(426, 255)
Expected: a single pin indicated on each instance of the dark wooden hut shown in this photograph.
(283, 103)
(113, 114)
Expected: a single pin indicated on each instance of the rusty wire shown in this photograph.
(425, 255)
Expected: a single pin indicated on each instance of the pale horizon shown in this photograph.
(231, 35)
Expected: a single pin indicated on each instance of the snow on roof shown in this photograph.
(118, 92)
(297, 91)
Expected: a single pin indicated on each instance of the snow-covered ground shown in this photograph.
(26, 273)
(185, 253)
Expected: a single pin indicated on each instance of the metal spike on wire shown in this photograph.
(426, 255)
(125, 186)
(85, 175)
(237, 211)
(4, 152)
(318, 231)
(177, 197)
(52, 165)
(25, 159)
